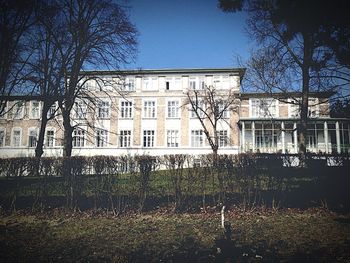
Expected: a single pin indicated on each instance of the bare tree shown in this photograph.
(16, 20)
(87, 34)
(295, 52)
(212, 106)
(46, 66)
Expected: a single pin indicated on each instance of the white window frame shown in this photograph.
(314, 109)
(80, 109)
(225, 82)
(173, 111)
(149, 111)
(126, 109)
(3, 116)
(148, 138)
(48, 142)
(201, 113)
(2, 143)
(130, 84)
(263, 112)
(221, 81)
(294, 108)
(125, 138)
(79, 137)
(104, 138)
(51, 113)
(109, 83)
(175, 83)
(90, 85)
(150, 83)
(225, 113)
(36, 130)
(217, 81)
(13, 137)
(313, 104)
(196, 82)
(223, 138)
(15, 110)
(103, 109)
(197, 138)
(172, 138)
(38, 110)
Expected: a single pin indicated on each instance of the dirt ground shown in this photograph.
(259, 235)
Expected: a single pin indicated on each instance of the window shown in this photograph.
(148, 138)
(80, 109)
(197, 138)
(200, 110)
(221, 82)
(225, 112)
(50, 138)
(150, 83)
(129, 84)
(78, 137)
(196, 83)
(173, 83)
(217, 82)
(125, 138)
(89, 85)
(225, 82)
(32, 137)
(35, 109)
(2, 137)
(172, 138)
(3, 110)
(126, 109)
(103, 109)
(16, 137)
(313, 108)
(149, 109)
(101, 138)
(294, 108)
(52, 111)
(173, 109)
(267, 136)
(178, 83)
(109, 84)
(18, 110)
(223, 139)
(311, 141)
(264, 108)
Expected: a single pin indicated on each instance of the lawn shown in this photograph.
(289, 235)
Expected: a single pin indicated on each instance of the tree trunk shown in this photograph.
(40, 143)
(305, 98)
(67, 137)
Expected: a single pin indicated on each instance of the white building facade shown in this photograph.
(147, 112)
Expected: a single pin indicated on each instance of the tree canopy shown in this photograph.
(301, 46)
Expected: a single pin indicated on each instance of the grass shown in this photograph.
(161, 183)
(312, 235)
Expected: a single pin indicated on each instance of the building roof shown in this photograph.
(285, 95)
(234, 71)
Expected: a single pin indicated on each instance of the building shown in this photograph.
(147, 112)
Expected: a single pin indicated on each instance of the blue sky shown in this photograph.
(187, 34)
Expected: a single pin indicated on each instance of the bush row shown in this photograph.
(99, 165)
(183, 180)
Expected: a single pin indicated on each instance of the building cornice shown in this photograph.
(292, 119)
(285, 95)
(234, 71)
